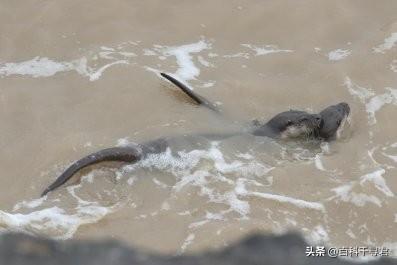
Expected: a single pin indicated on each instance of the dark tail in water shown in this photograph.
(197, 98)
(123, 154)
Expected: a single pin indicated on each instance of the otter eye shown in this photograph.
(289, 122)
(338, 122)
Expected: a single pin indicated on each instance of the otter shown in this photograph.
(332, 118)
(289, 124)
(292, 124)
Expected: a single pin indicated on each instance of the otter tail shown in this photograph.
(124, 154)
(197, 98)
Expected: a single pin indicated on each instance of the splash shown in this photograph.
(57, 221)
(40, 67)
(53, 221)
(267, 49)
(345, 193)
(373, 103)
(185, 58)
(337, 55)
(187, 69)
(352, 192)
(45, 67)
(379, 182)
(387, 45)
(393, 66)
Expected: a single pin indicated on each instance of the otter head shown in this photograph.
(333, 119)
(294, 124)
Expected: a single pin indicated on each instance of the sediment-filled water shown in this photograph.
(79, 76)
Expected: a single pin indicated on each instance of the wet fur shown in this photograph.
(333, 120)
(289, 124)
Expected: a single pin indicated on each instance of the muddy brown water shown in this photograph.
(77, 76)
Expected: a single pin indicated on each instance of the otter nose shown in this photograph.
(346, 107)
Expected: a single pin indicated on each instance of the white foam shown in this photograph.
(208, 84)
(318, 163)
(285, 199)
(107, 48)
(131, 180)
(54, 221)
(127, 54)
(160, 184)
(392, 157)
(187, 69)
(318, 235)
(204, 62)
(214, 216)
(337, 55)
(151, 69)
(112, 55)
(387, 44)
(36, 67)
(350, 233)
(242, 191)
(236, 204)
(199, 223)
(96, 74)
(123, 142)
(40, 67)
(377, 179)
(345, 193)
(185, 56)
(325, 148)
(29, 204)
(212, 55)
(355, 90)
(378, 101)
(148, 52)
(208, 217)
(267, 49)
(88, 144)
(393, 66)
(71, 189)
(189, 240)
(245, 156)
(238, 55)
(372, 102)
(371, 156)
(188, 169)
